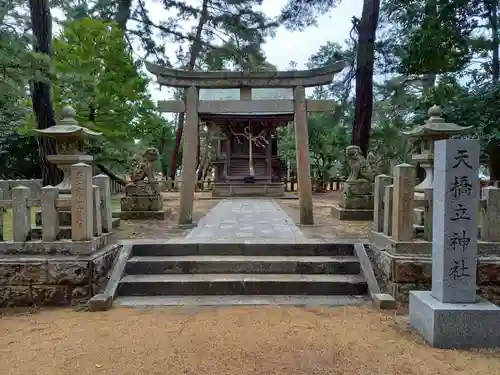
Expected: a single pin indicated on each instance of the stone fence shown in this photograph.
(34, 185)
(291, 184)
(406, 215)
(401, 240)
(67, 256)
(89, 204)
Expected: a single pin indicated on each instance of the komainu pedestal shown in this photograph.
(357, 195)
(357, 192)
(142, 200)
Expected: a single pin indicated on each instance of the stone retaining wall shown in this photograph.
(403, 273)
(35, 187)
(52, 279)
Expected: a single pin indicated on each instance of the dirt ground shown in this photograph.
(326, 227)
(243, 341)
(132, 229)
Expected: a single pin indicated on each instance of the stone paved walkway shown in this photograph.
(246, 221)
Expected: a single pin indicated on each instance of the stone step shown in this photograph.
(241, 284)
(342, 265)
(253, 249)
(240, 300)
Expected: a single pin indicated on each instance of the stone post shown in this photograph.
(388, 208)
(103, 182)
(456, 201)
(50, 215)
(428, 213)
(188, 157)
(81, 202)
(302, 151)
(21, 214)
(96, 211)
(402, 219)
(491, 215)
(381, 181)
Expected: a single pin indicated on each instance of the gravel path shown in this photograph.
(219, 341)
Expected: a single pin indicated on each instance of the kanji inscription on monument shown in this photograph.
(455, 207)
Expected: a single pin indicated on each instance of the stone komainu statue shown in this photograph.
(146, 169)
(360, 167)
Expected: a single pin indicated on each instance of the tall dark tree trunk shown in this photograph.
(493, 148)
(175, 153)
(364, 74)
(195, 51)
(123, 13)
(41, 92)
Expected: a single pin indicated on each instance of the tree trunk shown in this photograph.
(364, 74)
(492, 15)
(123, 13)
(493, 148)
(493, 160)
(41, 92)
(320, 186)
(195, 51)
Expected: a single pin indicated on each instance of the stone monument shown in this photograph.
(143, 198)
(357, 192)
(451, 315)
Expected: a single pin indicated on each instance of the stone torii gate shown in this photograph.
(298, 80)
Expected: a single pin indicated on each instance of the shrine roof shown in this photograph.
(257, 94)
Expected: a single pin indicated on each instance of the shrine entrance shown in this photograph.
(246, 162)
(243, 111)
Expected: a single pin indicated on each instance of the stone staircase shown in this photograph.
(235, 274)
(238, 168)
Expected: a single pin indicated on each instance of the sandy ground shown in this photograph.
(264, 340)
(325, 226)
(130, 229)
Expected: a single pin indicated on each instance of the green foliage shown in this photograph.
(299, 14)
(99, 78)
(435, 34)
(18, 65)
(327, 143)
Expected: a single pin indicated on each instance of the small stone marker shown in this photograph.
(102, 181)
(451, 316)
(96, 212)
(50, 216)
(402, 212)
(81, 202)
(21, 215)
(381, 181)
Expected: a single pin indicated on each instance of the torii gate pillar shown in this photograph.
(189, 162)
(302, 153)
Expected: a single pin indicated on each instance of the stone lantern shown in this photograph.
(69, 137)
(424, 136)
